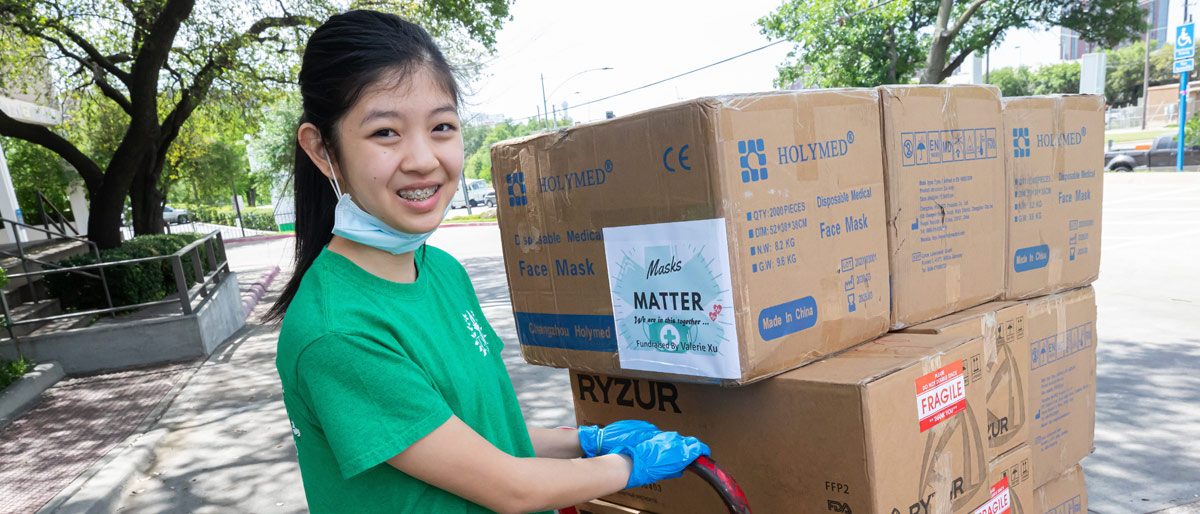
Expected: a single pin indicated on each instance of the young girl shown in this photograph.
(392, 378)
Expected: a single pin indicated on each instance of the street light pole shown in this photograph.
(545, 104)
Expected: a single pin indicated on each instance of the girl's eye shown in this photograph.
(384, 133)
(444, 127)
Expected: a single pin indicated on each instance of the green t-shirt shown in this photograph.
(371, 366)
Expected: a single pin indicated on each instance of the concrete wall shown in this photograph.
(141, 342)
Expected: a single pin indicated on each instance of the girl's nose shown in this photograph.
(419, 156)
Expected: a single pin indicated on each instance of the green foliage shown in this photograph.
(1062, 78)
(10, 371)
(34, 168)
(879, 46)
(258, 218)
(129, 284)
(273, 148)
(219, 61)
(479, 161)
(842, 43)
(1191, 131)
(1126, 66)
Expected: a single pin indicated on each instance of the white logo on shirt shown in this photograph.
(476, 332)
(295, 431)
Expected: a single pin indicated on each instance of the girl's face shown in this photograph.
(401, 152)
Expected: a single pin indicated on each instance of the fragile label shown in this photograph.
(999, 502)
(941, 394)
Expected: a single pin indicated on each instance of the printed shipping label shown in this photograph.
(999, 502)
(941, 394)
(672, 300)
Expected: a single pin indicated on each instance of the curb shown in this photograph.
(253, 239)
(471, 224)
(100, 489)
(250, 299)
(21, 395)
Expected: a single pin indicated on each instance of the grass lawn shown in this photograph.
(1145, 135)
(489, 215)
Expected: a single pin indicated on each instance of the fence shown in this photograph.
(218, 266)
(1131, 116)
(226, 231)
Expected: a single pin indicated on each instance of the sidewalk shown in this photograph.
(229, 445)
(82, 424)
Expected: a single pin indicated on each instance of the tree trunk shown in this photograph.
(104, 215)
(940, 43)
(251, 196)
(147, 202)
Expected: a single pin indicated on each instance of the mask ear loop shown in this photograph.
(337, 190)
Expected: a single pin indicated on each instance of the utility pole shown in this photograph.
(546, 109)
(1183, 94)
(1146, 67)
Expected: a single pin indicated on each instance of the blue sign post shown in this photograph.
(1185, 51)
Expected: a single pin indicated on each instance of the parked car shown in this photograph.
(475, 195)
(490, 198)
(172, 215)
(1163, 152)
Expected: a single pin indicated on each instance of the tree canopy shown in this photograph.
(153, 63)
(842, 43)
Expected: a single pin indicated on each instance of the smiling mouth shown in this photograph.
(417, 195)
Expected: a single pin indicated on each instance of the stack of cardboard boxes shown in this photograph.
(730, 268)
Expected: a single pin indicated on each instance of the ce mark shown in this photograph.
(681, 158)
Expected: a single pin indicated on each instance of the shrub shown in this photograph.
(10, 371)
(129, 284)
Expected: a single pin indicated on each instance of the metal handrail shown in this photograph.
(212, 242)
(25, 264)
(62, 218)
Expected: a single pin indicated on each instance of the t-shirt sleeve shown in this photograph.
(371, 401)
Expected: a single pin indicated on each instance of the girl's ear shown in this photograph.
(310, 140)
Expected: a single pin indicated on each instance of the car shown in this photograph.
(477, 190)
(172, 215)
(490, 198)
(1163, 152)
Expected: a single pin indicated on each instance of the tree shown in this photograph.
(157, 61)
(1057, 79)
(479, 160)
(1012, 81)
(871, 42)
(1123, 82)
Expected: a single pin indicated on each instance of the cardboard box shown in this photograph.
(845, 434)
(1006, 356)
(1012, 484)
(718, 240)
(603, 507)
(1065, 494)
(944, 178)
(1054, 165)
(1062, 380)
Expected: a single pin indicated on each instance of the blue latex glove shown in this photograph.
(663, 456)
(601, 440)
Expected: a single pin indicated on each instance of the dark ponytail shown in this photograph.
(344, 56)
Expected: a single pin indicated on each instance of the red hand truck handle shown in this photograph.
(727, 488)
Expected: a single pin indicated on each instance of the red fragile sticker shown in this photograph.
(999, 502)
(941, 394)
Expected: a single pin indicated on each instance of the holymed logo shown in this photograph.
(575, 179)
(753, 160)
(1020, 142)
(816, 150)
(617, 390)
(516, 189)
(1061, 139)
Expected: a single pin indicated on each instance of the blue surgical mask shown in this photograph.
(351, 222)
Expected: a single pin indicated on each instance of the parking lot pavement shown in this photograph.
(1147, 454)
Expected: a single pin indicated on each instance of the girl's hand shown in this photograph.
(596, 440)
(663, 456)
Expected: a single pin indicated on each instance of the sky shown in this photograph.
(646, 41)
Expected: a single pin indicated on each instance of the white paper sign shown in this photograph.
(672, 301)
